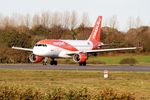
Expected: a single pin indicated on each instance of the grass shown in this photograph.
(115, 59)
(134, 82)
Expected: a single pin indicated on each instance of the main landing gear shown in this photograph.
(53, 62)
(82, 64)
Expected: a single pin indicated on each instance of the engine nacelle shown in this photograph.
(81, 57)
(35, 59)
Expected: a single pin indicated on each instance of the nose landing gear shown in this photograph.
(45, 61)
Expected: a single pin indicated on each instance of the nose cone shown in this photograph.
(40, 51)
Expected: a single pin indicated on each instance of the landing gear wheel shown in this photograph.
(44, 63)
(53, 62)
(82, 64)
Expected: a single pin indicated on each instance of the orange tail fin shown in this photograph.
(95, 35)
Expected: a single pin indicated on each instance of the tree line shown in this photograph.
(25, 31)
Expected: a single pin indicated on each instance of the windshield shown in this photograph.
(39, 45)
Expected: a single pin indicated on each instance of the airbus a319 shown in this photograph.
(78, 50)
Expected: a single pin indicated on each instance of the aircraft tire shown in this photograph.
(84, 63)
(80, 64)
(44, 63)
(51, 63)
(55, 62)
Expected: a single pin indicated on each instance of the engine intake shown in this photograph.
(81, 57)
(35, 59)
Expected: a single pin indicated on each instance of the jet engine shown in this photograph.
(35, 59)
(81, 57)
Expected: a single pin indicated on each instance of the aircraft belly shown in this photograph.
(53, 51)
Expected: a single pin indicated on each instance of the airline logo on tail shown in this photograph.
(98, 24)
(95, 35)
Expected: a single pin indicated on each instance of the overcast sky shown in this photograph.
(123, 9)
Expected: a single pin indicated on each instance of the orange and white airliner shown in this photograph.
(77, 49)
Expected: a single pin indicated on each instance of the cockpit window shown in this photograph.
(39, 45)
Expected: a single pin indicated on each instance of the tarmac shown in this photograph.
(76, 67)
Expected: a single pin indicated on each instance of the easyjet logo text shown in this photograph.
(96, 28)
(58, 43)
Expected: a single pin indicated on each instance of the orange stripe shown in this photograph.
(58, 43)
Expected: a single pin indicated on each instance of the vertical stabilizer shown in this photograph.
(95, 35)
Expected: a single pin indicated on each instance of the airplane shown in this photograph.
(78, 50)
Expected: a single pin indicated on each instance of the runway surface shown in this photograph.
(76, 67)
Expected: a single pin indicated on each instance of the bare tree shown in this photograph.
(22, 21)
(45, 19)
(131, 22)
(138, 22)
(16, 20)
(113, 22)
(85, 20)
(35, 20)
(73, 20)
(56, 20)
(105, 22)
(6, 21)
(27, 19)
(65, 19)
(50, 15)
(1, 19)
(73, 23)
(12, 22)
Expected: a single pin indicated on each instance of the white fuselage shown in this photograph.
(60, 48)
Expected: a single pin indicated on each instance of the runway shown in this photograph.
(76, 67)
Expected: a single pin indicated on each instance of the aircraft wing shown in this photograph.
(103, 50)
(113, 49)
(20, 48)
